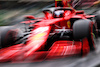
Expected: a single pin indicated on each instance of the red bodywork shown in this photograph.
(34, 48)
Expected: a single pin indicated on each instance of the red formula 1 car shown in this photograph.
(62, 32)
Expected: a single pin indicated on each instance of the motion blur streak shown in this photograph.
(37, 39)
(34, 48)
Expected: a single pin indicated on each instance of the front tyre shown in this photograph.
(84, 29)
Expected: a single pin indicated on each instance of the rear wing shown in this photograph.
(74, 3)
(63, 3)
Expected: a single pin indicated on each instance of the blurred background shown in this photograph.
(11, 9)
(13, 12)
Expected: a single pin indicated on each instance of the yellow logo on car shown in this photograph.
(38, 36)
(58, 0)
(68, 24)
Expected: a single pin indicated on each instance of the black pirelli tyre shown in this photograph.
(8, 36)
(97, 18)
(83, 28)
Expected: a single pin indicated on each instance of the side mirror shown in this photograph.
(29, 17)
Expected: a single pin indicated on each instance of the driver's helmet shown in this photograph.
(58, 13)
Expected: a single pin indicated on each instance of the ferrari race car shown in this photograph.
(62, 32)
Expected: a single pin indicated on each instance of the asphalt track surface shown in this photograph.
(91, 60)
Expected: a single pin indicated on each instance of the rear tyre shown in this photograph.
(98, 20)
(8, 36)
